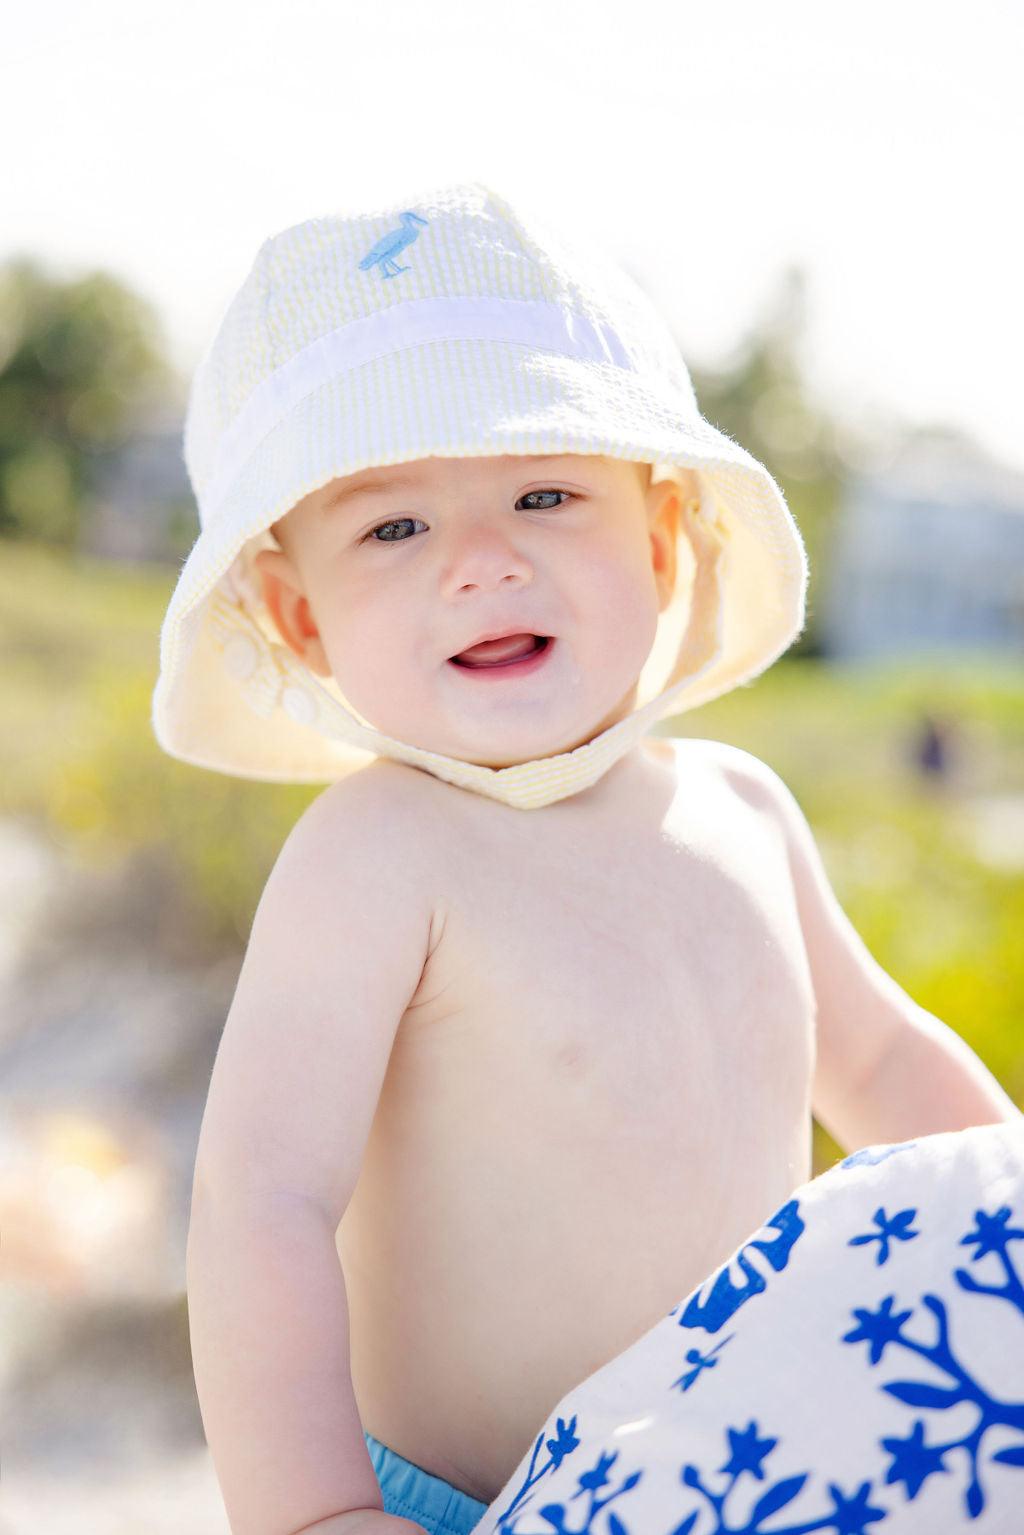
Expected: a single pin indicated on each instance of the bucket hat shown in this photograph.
(451, 324)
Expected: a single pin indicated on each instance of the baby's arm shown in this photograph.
(335, 954)
(887, 1070)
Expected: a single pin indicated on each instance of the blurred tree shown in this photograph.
(82, 363)
(759, 399)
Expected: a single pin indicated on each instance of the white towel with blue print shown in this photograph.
(856, 1368)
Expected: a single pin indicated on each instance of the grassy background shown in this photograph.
(77, 756)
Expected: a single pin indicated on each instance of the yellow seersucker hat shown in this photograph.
(451, 326)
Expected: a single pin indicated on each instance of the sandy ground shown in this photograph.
(107, 1031)
(176, 1497)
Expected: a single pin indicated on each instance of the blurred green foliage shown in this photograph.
(78, 756)
(759, 398)
(81, 364)
(79, 641)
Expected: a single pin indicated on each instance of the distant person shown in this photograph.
(537, 1004)
(932, 749)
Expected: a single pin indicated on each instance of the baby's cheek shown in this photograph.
(624, 614)
(360, 664)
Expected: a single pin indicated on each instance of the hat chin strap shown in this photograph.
(272, 676)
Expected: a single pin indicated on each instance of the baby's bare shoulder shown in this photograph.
(376, 814)
(363, 852)
(730, 767)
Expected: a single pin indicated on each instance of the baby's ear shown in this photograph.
(689, 485)
(663, 513)
(289, 607)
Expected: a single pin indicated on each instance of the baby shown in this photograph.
(537, 1004)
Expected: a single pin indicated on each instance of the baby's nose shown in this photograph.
(483, 554)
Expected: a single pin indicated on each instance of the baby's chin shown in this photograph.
(516, 745)
(488, 742)
(487, 754)
(516, 749)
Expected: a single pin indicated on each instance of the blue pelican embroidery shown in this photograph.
(391, 244)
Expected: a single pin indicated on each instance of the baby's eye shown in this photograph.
(397, 522)
(530, 493)
(389, 537)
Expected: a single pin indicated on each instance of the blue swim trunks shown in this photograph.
(412, 1493)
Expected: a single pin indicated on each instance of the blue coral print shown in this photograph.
(563, 1444)
(887, 1328)
(712, 1306)
(898, 1229)
(924, 1430)
(700, 1362)
(850, 1514)
(870, 1156)
(736, 1508)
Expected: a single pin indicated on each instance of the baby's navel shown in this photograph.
(571, 1057)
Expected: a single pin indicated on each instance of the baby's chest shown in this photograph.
(632, 981)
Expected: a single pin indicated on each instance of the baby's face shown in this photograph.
(389, 574)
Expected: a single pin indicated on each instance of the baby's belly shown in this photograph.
(495, 1259)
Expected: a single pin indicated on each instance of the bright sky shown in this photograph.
(879, 144)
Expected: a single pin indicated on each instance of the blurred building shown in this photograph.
(928, 555)
(142, 506)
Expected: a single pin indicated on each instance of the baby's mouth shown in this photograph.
(504, 652)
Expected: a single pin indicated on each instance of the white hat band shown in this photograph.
(549, 327)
